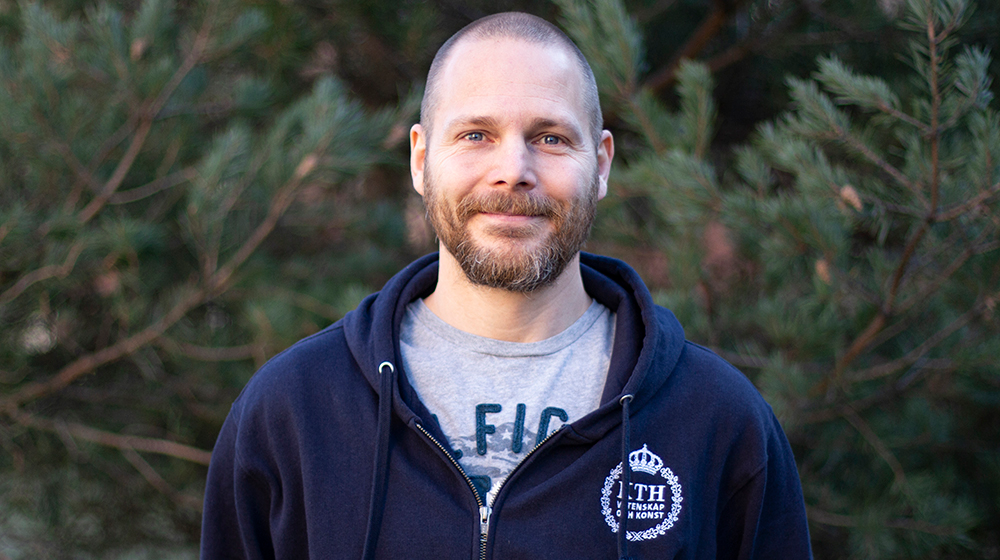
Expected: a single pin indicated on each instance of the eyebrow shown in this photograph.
(462, 122)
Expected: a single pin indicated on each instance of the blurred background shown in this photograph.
(187, 188)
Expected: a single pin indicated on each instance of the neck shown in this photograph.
(503, 315)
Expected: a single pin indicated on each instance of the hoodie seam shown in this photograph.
(739, 488)
(238, 453)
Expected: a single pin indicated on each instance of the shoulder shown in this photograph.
(314, 389)
(703, 374)
(717, 376)
(693, 377)
(719, 405)
(307, 362)
(316, 377)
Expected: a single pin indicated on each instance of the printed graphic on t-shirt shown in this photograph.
(493, 399)
(496, 448)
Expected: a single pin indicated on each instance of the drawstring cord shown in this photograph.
(626, 481)
(380, 472)
(381, 467)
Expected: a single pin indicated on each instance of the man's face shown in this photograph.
(510, 174)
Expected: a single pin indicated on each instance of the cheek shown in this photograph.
(458, 171)
(459, 161)
(567, 181)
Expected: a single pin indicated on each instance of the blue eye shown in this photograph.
(475, 136)
(551, 139)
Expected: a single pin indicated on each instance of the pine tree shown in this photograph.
(164, 228)
(848, 259)
(185, 191)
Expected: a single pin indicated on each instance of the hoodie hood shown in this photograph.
(635, 372)
(648, 339)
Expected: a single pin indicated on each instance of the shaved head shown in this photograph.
(520, 26)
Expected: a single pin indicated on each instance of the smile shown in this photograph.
(510, 219)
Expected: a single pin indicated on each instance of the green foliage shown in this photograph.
(610, 41)
(848, 260)
(188, 188)
(151, 195)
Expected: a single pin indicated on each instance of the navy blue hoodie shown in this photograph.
(329, 454)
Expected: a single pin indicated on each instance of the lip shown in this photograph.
(508, 217)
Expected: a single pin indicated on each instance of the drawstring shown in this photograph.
(626, 481)
(380, 472)
(381, 467)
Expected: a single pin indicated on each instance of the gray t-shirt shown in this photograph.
(495, 400)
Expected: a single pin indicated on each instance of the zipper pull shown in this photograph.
(484, 520)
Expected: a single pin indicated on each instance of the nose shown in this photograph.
(513, 165)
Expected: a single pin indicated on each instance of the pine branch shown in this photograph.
(43, 273)
(116, 138)
(913, 356)
(88, 363)
(118, 176)
(958, 210)
(935, 137)
(281, 201)
(64, 150)
(888, 393)
(720, 14)
(864, 340)
(742, 361)
(206, 353)
(210, 253)
(896, 113)
(312, 305)
(213, 284)
(156, 481)
(216, 283)
(839, 520)
(880, 447)
(876, 160)
(956, 263)
(146, 115)
(153, 187)
(111, 439)
(776, 28)
(646, 126)
(897, 208)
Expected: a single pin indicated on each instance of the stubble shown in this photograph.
(513, 261)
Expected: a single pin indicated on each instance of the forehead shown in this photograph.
(504, 77)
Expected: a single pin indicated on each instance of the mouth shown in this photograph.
(509, 218)
(511, 214)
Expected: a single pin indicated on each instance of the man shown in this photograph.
(507, 398)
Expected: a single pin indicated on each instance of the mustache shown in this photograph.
(522, 204)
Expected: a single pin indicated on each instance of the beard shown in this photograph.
(513, 264)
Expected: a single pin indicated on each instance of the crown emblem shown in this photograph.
(644, 460)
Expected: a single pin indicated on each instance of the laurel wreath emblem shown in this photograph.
(652, 532)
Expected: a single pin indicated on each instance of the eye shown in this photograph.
(550, 140)
(475, 136)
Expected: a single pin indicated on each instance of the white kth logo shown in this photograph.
(647, 496)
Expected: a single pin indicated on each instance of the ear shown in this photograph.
(418, 154)
(605, 153)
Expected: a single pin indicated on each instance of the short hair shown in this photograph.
(515, 25)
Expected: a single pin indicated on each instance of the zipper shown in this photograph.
(484, 529)
(485, 510)
(525, 458)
